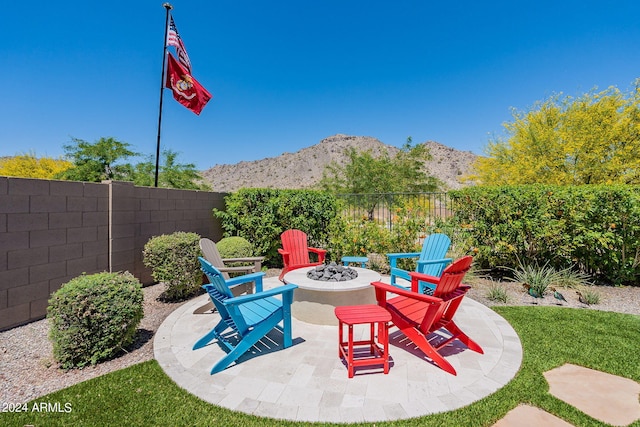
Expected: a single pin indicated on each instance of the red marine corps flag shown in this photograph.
(186, 90)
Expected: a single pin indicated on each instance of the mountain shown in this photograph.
(303, 169)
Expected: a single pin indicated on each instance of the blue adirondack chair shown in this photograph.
(250, 317)
(431, 261)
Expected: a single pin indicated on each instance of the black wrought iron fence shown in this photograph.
(386, 207)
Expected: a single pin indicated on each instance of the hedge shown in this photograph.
(261, 215)
(592, 228)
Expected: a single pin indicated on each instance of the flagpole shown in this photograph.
(164, 53)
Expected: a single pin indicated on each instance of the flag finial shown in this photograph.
(167, 6)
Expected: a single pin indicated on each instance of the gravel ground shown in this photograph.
(27, 368)
(618, 299)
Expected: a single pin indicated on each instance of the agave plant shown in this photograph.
(570, 278)
(538, 278)
(588, 296)
(497, 292)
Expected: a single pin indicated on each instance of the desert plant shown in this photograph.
(173, 259)
(570, 278)
(497, 292)
(539, 278)
(93, 317)
(567, 140)
(588, 296)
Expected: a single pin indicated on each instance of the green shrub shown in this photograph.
(94, 317)
(592, 227)
(357, 238)
(173, 259)
(235, 247)
(260, 215)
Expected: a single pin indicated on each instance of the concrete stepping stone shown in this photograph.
(530, 416)
(605, 397)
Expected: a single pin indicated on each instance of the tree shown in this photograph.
(377, 176)
(30, 166)
(104, 160)
(170, 175)
(594, 139)
(99, 161)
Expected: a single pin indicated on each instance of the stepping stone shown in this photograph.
(605, 397)
(530, 416)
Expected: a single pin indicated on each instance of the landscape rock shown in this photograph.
(332, 273)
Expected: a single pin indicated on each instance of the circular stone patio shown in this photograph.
(308, 382)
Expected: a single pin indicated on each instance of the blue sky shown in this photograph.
(286, 74)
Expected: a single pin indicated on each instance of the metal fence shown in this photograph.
(385, 207)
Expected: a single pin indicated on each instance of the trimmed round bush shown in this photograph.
(173, 259)
(235, 247)
(93, 317)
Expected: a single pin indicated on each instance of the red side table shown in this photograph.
(361, 314)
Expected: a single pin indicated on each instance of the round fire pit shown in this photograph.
(332, 273)
(315, 301)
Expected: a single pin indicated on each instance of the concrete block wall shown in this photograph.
(53, 231)
(50, 232)
(139, 213)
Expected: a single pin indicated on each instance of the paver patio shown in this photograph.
(308, 382)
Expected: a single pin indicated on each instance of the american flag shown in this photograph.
(173, 39)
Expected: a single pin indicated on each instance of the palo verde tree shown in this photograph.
(30, 166)
(592, 139)
(376, 176)
(101, 160)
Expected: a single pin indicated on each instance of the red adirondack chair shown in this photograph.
(418, 315)
(295, 251)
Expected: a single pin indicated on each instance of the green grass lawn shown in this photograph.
(142, 395)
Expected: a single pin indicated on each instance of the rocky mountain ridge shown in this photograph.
(304, 168)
